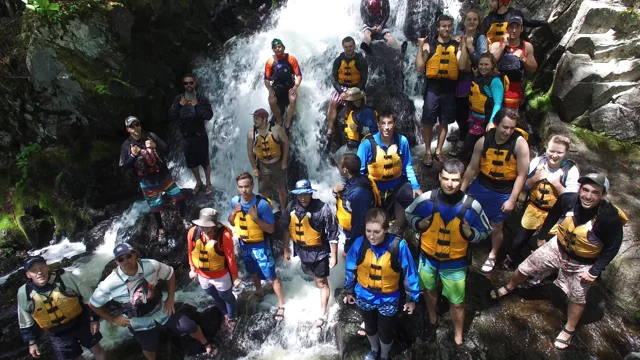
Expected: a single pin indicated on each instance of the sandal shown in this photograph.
(279, 314)
(462, 352)
(494, 294)
(209, 190)
(565, 342)
(320, 322)
(197, 188)
(427, 160)
(489, 264)
(360, 332)
(210, 349)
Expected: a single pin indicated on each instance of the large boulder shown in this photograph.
(620, 118)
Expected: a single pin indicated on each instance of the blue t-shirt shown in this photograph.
(366, 156)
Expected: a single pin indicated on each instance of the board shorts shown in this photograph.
(453, 275)
(153, 191)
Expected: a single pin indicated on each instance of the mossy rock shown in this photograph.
(11, 237)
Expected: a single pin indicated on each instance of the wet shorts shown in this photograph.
(272, 177)
(178, 323)
(153, 191)
(375, 35)
(282, 94)
(68, 345)
(258, 259)
(335, 96)
(490, 200)
(439, 107)
(453, 277)
(549, 258)
(196, 151)
(402, 194)
(319, 269)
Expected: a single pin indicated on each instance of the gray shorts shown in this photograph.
(272, 177)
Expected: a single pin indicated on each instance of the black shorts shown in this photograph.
(439, 108)
(178, 323)
(68, 345)
(402, 194)
(196, 151)
(319, 269)
(282, 94)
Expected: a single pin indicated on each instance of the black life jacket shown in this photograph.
(283, 75)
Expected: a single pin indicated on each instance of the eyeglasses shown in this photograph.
(134, 125)
(188, 82)
(123, 258)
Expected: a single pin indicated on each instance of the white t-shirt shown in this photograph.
(571, 182)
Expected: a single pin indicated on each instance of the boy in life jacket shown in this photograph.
(550, 175)
(495, 23)
(210, 250)
(282, 77)
(589, 236)
(311, 225)
(386, 158)
(350, 70)
(447, 220)
(54, 301)
(360, 120)
(375, 14)
(268, 152)
(133, 285)
(145, 152)
(500, 160)
(515, 57)
(379, 267)
(439, 61)
(252, 216)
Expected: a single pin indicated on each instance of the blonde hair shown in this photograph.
(561, 140)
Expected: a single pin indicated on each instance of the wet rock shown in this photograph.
(122, 20)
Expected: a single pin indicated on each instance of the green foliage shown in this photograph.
(538, 99)
(23, 163)
(101, 89)
(628, 22)
(627, 154)
(56, 11)
(45, 8)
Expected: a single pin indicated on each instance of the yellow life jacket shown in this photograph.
(247, 229)
(496, 31)
(208, 256)
(386, 165)
(442, 62)
(266, 148)
(380, 275)
(302, 232)
(499, 162)
(352, 129)
(445, 242)
(479, 101)
(58, 308)
(343, 205)
(348, 74)
(543, 195)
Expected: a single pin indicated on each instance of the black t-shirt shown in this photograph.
(127, 160)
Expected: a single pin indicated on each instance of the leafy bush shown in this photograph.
(22, 162)
(44, 7)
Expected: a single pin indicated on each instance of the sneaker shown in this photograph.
(372, 355)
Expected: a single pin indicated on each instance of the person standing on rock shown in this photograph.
(515, 57)
(500, 160)
(268, 151)
(253, 219)
(282, 77)
(386, 158)
(496, 22)
(190, 110)
(313, 229)
(447, 220)
(375, 14)
(589, 236)
(439, 61)
(54, 301)
(550, 175)
(210, 250)
(133, 285)
(350, 70)
(145, 152)
(379, 267)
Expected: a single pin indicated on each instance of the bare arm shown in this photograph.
(171, 286)
(421, 57)
(459, 53)
(522, 156)
(298, 81)
(474, 165)
(530, 64)
(496, 49)
(286, 239)
(252, 158)
(102, 312)
(268, 228)
(463, 56)
(267, 83)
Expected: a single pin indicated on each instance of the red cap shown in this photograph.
(261, 113)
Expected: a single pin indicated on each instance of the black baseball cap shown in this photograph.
(32, 260)
(516, 20)
(130, 120)
(598, 179)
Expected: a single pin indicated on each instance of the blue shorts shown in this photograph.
(490, 200)
(258, 259)
(68, 345)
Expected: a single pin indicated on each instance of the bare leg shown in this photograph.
(150, 355)
(291, 109)
(401, 218)
(574, 313)
(427, 136)
(442, 137)
(98, 352)
(517, 278)
(282, 194)
(367, 37)
(431, 298)
(273, 104)
(323, 285)
(258, 284)
(196, 174)
(332, 114)
(457, 316)
(391, 41)
(198, 335)
(497, 236)
(277, 288)
(207, 174)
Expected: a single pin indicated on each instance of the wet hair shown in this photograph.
(386, 114)
(453, 166)
(352, 162)
(377, 215)
(443, 17)
(561, 140)
(243, 176)
(506, 112)
(347, 40)
(189, 75)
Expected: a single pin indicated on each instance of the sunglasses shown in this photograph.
(134, 125)
(123, 258)
(188, 83)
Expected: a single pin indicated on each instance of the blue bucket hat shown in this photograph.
(303, 187)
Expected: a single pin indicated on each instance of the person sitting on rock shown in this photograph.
(589, 236)
(350, 70)
(282, 77)
(190, 110)
(133, 284)
(515, 57)
(360, 120)
(447, 220)
(439, 61)
(210, 250)
(379, 267)
(313, 229)
(268, 151)
(54, 301)
(375, 14)
(386, 158)
(253, 219)
(550, 175)
(500, 160)
(145, 152)
(496, 22)
(472, 45)
(485, 100)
